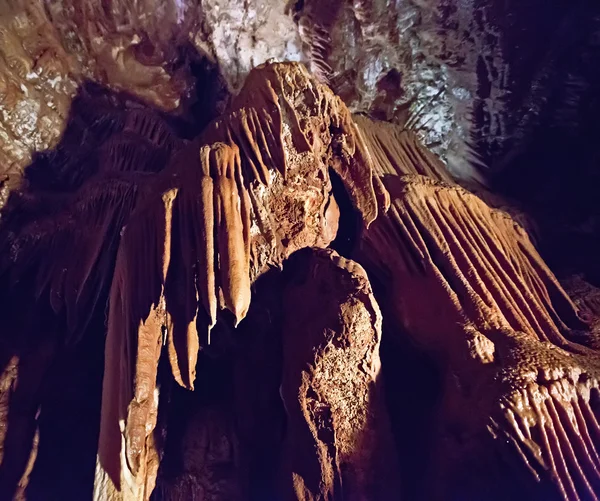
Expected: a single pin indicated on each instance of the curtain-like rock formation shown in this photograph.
(190, 242)
(177, 237)
(521, 386)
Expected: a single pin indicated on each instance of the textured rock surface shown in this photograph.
(473, 78)
(50, 48)
(336, 446)
(182, 232)
(194, 230)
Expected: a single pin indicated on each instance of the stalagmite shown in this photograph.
(335, 447)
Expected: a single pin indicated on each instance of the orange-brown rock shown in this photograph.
(397, 151)
(59, 239)
(520, 386)
(284, 116)
(338, 443)
(229, 217)
(181, 232)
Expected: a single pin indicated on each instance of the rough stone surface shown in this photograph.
(336, 446)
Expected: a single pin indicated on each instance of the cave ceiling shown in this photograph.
(472, 77)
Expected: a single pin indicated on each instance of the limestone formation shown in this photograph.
(208, 261)
(520, 382)
(335, 447)
(190, 242)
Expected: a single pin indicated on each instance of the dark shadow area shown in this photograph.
(28, 346)
(413, 388)
(532, 66)
(412, 385)
(225, 436)
(350, 222)
(69, 420)
(555, 170)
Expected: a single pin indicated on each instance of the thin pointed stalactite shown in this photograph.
(234, 260)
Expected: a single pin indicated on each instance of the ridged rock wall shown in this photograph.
(520, 381)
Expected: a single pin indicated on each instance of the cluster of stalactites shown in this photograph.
(185, 252)
(550, 418)
(466, 282)
(480, 256)
(281, 107)
(188, 248)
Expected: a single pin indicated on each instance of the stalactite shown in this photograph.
(280, 115)
(234, 260)
(204, 240)
(127, 459)
(181, 296)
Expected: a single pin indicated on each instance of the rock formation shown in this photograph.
(519, 371)
(335, 447)
(246, 275)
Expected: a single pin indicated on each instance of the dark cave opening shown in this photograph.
(350, 221)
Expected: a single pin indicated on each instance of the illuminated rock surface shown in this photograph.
(168, 267)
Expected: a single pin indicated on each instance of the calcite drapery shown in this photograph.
(396, 151)
(202, 224)
(287, 126)
(517, 379)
